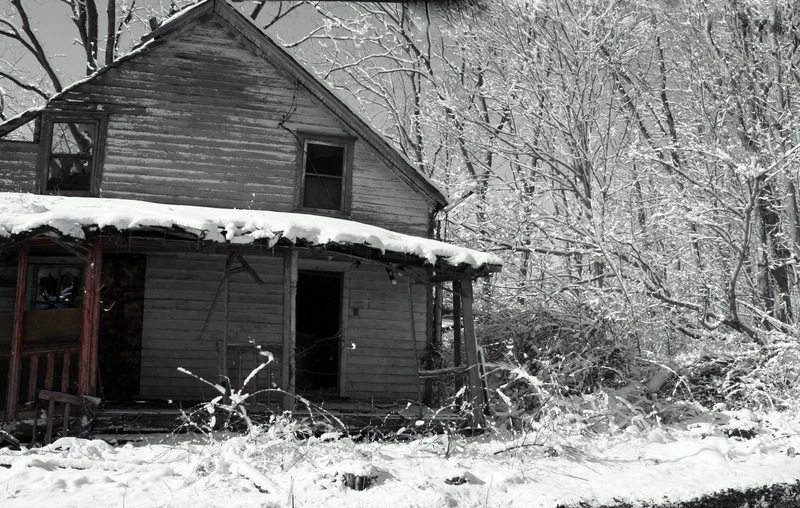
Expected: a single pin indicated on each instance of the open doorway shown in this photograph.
(120, 327)
(319, 309)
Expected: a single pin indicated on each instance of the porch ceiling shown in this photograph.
(22, 215)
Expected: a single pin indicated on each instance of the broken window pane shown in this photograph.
(324, 176)
(70, 161)
(58, 287)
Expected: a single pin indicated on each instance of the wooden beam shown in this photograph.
(414, 342)
(16, 334)
(223, 341)
(289, 326)
(457, 326)
(345, 326)
(90, 314)
(471, 343)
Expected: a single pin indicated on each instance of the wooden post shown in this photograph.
(16, 334)
(471, 343)
(457, 333)
(414, 343)
(223, 350)
(90, 314)
(289, 327)
(434, 334)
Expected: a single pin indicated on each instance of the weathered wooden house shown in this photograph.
(205, 202)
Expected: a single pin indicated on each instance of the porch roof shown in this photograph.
(74, 217)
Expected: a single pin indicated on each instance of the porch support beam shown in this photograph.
(289, 326)
(473, 363)
(457, 340)
(90, 315)
(16, 334)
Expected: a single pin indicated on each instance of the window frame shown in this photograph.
(49, 120)
(348, 144)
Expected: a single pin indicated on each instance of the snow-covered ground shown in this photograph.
(272, 468)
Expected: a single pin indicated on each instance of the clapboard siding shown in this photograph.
(196, 120)
(382, 365)
(209, 129)
(383, 201)
(18, 166)
(178, 295)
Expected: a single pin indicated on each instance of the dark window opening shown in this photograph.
(319, 301)
(323, 176)
(70, 161)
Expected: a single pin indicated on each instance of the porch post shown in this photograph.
(16, 334)
(457, 331)
(90, 315)
(473, 366)
(289, 327)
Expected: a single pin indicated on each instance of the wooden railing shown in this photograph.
(45, 367)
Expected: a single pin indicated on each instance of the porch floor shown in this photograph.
(129, 420)
(355, 416)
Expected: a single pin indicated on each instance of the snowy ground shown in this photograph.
(498, 470)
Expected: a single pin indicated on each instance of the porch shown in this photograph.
(61, 347)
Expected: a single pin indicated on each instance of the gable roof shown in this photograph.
(261, 44)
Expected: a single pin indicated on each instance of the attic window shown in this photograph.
(325, 174)
(70, 155)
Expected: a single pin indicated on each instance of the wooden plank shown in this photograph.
(404, 363)
(64, 398)
(289, 327)
(33, 371)
(65, 364)
(51, 363)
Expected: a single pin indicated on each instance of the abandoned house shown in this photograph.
(205, 204)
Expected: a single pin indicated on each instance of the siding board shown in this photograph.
(18, 166)
(178, 293)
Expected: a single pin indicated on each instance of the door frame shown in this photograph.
(342, 267)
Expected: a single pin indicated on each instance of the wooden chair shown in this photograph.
(85, 405)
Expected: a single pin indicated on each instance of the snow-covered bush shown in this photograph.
(746, 375)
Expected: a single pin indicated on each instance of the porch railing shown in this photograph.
(45, 367)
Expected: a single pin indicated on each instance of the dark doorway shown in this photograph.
(319, 307)
(120, 331)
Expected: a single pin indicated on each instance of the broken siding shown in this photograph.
(196, 121)
(383, 364)
(179, 292)
(18, 166)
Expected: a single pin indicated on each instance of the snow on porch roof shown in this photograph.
(70, 216)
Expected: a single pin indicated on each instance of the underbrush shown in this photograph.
(586, 374)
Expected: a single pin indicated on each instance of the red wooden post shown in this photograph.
(90, 313)
(16, 334)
